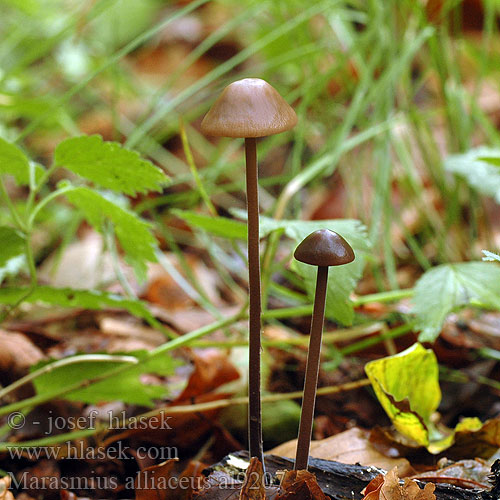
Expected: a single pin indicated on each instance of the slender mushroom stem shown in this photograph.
(254, 404)
(312, 369)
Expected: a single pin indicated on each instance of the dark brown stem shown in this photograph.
(312, 369)
(254, 405)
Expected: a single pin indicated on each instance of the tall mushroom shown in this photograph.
(251, 108)
(322, 248)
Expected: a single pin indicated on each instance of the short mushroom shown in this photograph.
(251, 108)
(322, 248)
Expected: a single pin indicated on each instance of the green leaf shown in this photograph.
(12, 244)
(475, 439)
(444, 288)
(109, 165)
(69, 297)
(480, 169)
(133, 233)
(14, 162)
(11, 251)
(219, 226)
(126, 387)
(351, 229)
(407, 387)
(342, 279)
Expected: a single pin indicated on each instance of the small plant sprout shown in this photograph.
(322, 248)
(251, 108)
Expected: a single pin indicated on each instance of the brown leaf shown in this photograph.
(159, 482)
(482, 443)
(372, 491)
(152, 483)
(165, 291)
(464, 473)
(17, 353)
(5, 494)
(300, 485)
(349, 447)
(253, 486)
(65, 495)
(389, 488)
(212, 369)
(65, 270)
(188, 482)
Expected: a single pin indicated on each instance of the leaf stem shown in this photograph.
(110, 240)
(12, 209)
(45, 201)
(28, 252)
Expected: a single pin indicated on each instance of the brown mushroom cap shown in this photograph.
(324, 248)
(249, 108)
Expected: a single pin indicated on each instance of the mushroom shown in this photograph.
(322, 248)
(251, 108)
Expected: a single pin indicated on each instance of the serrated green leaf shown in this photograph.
(342, 279)
(126, 387)
(109, 165)
(11, 250)
(14, 162)
(479, 167)
(133, 233)
(219, 226)
(407, 387)
(444, 288)
(69, 297)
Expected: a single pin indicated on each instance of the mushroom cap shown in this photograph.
(324, 248)
(249, 108)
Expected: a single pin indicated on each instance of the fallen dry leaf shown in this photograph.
(153, 483)
(17, 354)
(67, 270)
(349, 447)
(159, 482)
(188, 482)
(5, 494)
(482, 443)
(163, 289)
(300, 485)
(464, 473)
(212, 368)
(253, 485)
(388, 487)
